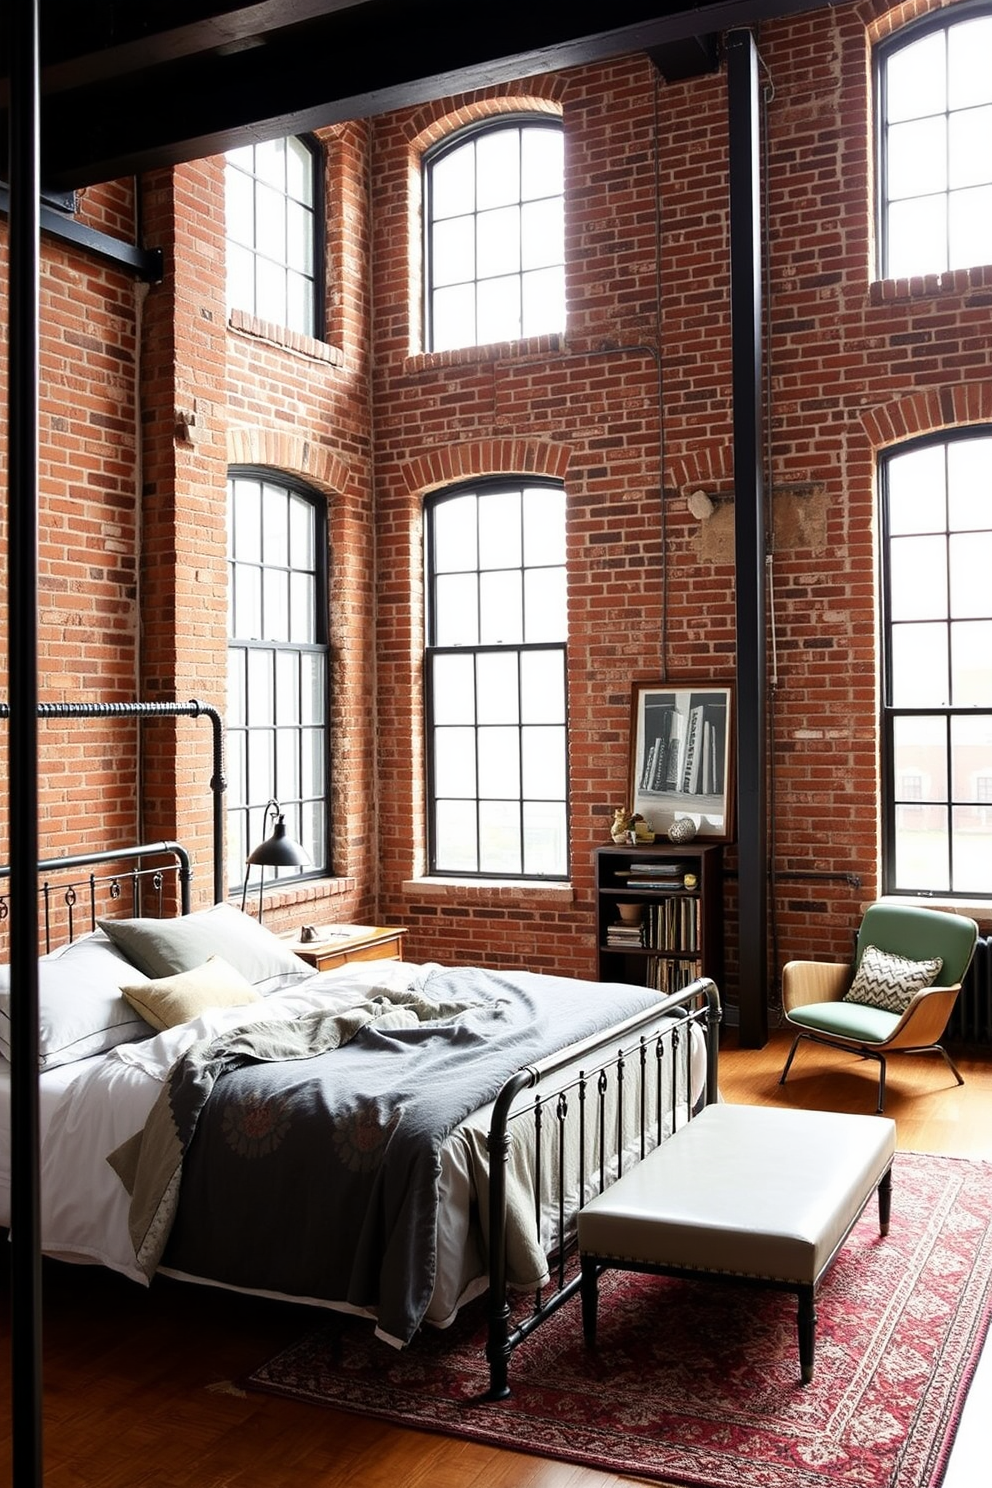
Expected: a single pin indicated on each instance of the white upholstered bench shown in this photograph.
(752, 1193)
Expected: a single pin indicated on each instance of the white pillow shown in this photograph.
(80, 1007)
(160, 948)
(885, 980)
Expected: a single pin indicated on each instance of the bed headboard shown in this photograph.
(148, 879)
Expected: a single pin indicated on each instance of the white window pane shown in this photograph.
(275, 605)
(917, 237)
(971, 147)
(972, 850)
(969, 464)
(499, 310)
(545, 605)
(922, 853)
(918, 578)
(543, 163)
(542, 232)
(917, 491)
(456, 843)
(247, 524)
(270, 291)
(261, 767)
(969, 63)
(453, 322)
(456, 613)
(499, 832)
(543, 752)
(235, 689)
(454, 762)
(454, 689)
(312, 688)
(499, 695)
(971, 567)
(247, 606)
(499, 763)
(270, 224)
(455, 546)
(453, 182)
(542, 686)
(299, 172)
(300, 305)
(544, 526)
(299, 238)
(971, 664)
(270, 162)
(287, 765)
(243, 156)
(919, 666)
(917, 158)
(453, 251)
(498, 250)
(545, 838)
(500, 618)
(275, 518)
(239, 204)
(971, 227)
(302, 608)
(313, 750)
(302, 531)
(543, 302)
(915, 79)
(919, 758)
(287, 687)
(240, 279)
(498, 165)
(499, 530)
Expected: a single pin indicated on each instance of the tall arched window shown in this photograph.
(274, 233)
(936, 499)
(497, 743)
(277, 699)
(495, 237)
(934, 121)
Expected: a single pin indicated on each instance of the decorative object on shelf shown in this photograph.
(279, 850)
(690, 881)
(642, 829)
(631, 912)
(621, 825)
(681, 755)
(683, 829)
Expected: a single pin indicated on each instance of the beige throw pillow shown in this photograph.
(890, 982)
(177, 999)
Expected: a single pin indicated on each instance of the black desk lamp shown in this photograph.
(277, 851)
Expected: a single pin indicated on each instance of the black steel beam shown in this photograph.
(749, 506)
(144, 263)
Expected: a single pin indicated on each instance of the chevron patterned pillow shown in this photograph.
(890, 982)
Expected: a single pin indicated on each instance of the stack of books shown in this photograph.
(666, 874)
(623, 935)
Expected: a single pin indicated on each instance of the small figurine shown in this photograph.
(643, 831)
(621, 825)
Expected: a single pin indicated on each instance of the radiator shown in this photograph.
(971, 1020)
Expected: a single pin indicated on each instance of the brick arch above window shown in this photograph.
(882, 19)
(928, 412)
(464, 462)
(291, 453)
(438, 119)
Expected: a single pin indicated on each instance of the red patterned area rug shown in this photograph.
(698, 1383)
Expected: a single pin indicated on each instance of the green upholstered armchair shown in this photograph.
(814, 992)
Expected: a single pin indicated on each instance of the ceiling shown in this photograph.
(127, 85)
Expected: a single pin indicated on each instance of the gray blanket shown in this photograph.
(304, 1158)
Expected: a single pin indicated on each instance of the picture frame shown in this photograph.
(682, 755)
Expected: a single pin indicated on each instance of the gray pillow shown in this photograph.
(80, 1007)
(160, 948)
(890, 982)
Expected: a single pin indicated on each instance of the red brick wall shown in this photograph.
(631, 409)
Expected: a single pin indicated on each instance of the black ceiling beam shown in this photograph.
(127, 87)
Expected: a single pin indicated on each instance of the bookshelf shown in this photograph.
(667, 934)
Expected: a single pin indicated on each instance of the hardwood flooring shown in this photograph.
(138, 1390)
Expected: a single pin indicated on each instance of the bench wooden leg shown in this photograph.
(885, 1203)
(589, 1290)
(807, 1333)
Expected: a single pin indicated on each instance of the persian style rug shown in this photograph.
(698, 1382)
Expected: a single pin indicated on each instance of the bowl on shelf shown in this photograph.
(630, 913)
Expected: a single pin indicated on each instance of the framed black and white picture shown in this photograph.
(681, 755)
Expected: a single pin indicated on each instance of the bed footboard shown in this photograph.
(632, 1089)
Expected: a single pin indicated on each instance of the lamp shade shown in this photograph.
(279, 850)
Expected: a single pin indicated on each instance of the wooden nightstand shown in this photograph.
(337, 945)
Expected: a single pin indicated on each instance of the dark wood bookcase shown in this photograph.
(674, 934)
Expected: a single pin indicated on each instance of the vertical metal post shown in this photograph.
(22, 571)
(745, 299)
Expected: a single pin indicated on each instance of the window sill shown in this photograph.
(519, 891)
(282, 336)
(496, 351)
(309, 891)
(976, 909)
(929, 286)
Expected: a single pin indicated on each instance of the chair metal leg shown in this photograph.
(881, 1082)
(792, 1053)
(951, 1065)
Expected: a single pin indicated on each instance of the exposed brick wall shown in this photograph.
(630, 408)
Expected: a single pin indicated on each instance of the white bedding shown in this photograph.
(89, 1108)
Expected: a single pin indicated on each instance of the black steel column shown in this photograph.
(22, 574)
(745, 299)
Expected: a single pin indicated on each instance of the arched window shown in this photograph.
(495, 238)
(277, 688)
(497, 745)
(934, 113)
(274, 233)
(936, 499)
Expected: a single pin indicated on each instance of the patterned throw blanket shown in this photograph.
(307, 1154)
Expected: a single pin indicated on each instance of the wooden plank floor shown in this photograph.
(137, 1384)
